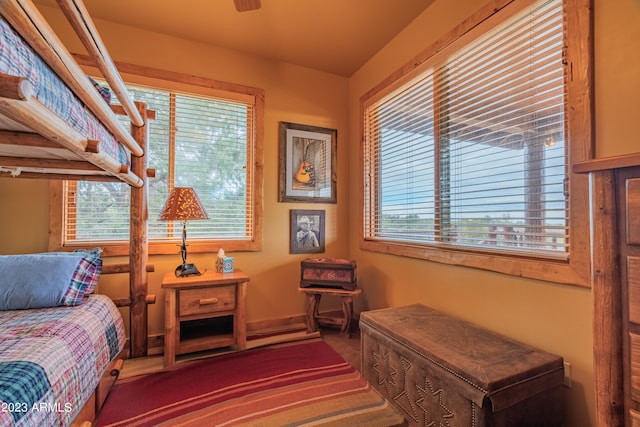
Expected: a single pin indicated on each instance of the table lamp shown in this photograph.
(183, 205)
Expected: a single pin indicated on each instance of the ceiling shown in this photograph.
(336, 36)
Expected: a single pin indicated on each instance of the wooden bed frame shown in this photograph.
(30, 125)
(36, 143)
(38, 140)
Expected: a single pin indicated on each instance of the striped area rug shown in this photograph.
(293, 384)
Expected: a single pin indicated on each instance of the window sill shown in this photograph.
(556, 271)
(168, 248)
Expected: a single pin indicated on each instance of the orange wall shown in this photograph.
(617, 76)
(556, 318)
(24, 215)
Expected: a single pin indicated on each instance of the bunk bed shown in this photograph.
(44, 92)
(55, 124)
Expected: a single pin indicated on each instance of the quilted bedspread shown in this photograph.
(51, 360)
(18, 59)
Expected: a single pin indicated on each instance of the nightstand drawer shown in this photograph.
(207, 300)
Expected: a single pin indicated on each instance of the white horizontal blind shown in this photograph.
(194, 141)
(211, 156)
(95, 211)
(472, 153)
(400, 192)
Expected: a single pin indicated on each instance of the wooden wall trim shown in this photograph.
(613, 162)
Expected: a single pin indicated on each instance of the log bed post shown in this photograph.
(607, 309)
(138, 244)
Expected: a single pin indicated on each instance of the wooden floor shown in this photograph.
(348, 348)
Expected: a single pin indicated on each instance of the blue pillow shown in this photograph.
(36, 280)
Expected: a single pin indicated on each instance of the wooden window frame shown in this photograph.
(576, 270)
(136, 74)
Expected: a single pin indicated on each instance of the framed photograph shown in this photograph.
(307, 163)
(307, 231)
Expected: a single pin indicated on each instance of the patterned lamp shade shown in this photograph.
(183, 204)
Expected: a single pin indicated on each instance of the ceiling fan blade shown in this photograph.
(245, 5)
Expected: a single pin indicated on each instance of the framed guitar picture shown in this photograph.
(307, 163)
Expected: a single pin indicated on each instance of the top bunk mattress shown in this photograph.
(18, 59)
(52, 359)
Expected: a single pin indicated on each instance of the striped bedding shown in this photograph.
(18, 59)
(51, 360)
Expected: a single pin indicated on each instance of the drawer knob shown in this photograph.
(208, 301)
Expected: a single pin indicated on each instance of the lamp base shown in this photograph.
(187, 270)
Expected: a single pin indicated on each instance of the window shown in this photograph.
(199, 138)
(467, 156)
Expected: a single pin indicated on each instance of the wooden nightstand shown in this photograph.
(204, 312)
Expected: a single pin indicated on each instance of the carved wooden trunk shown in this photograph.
(328, 273)
(441, 371)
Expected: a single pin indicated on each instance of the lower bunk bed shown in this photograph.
(57, 359)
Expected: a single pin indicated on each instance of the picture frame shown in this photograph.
(308, 163)
(306, 231)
